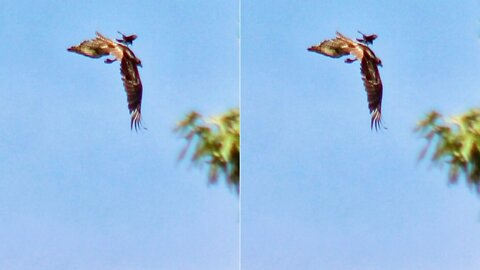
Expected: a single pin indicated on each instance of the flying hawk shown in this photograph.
(342, 46)
(101, 46)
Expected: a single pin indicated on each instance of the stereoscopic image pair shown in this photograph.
(244, 147)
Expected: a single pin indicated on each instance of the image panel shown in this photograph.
(97, 170)
(322, 186)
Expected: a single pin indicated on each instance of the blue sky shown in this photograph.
(320, 190)
(78, 189)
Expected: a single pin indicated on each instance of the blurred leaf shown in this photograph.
(215, 142)
(455, 142)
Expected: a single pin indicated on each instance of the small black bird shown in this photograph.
(127, 40)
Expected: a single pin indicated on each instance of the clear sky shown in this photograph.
(78, 189)
(320, 190)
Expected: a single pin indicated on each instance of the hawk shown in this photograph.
(101, 46)
(369, 62)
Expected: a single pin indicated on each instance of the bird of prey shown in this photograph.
(101, 46)
(369, 62)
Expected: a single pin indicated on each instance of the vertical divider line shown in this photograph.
(240, 124)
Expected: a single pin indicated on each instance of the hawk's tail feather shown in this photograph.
(376, 120)
(136, 120)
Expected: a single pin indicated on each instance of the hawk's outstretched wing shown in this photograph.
(94, 48)
(373, 87)
(133, 87)
(334, 48)
(338, 47)
(102, 46)
(97, 47)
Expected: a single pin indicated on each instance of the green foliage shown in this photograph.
(217, 143)
(457, 143)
